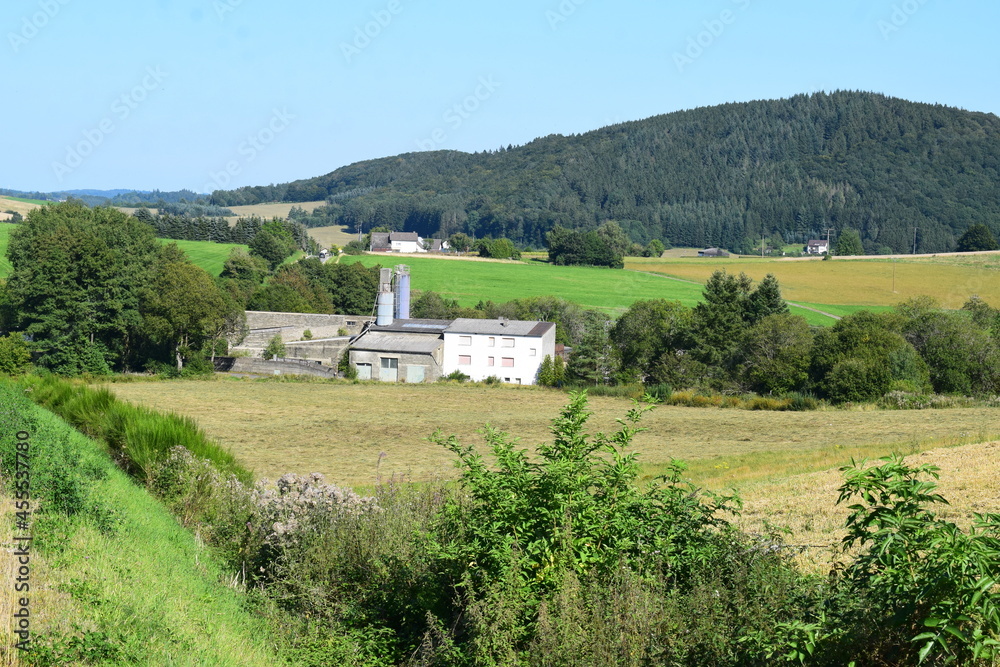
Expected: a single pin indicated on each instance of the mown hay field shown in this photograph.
(806, 503)
(268, 211)
(854, 282)
(330, 236)
(353, 432)
(612, 291)
(20, 205)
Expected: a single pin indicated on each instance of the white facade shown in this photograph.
(511, 350)
(408, 246)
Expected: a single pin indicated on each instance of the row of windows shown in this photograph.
(490, 342)
(466, 360)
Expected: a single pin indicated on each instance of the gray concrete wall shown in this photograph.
(292, 325)
(328, 350)
(273, 367)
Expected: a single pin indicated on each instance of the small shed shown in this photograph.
(713, 252)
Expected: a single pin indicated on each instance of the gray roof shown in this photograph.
(464, 325)
(415, 325)
(377, 341)
(380, 240)
(404, 236)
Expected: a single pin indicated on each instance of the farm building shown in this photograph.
(408, 242)
(713, 252)
(397, 348)
(818, 247)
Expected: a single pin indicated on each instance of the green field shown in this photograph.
(611, 291)
(209, 256)
(40, 202)
(5, 268)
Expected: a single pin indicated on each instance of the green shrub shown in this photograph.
(456, 376)
(275, 348)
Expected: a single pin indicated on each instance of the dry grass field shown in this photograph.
(863, 282)
(21, 207)
(344, 430)
(805, 503)
(279, 209)
(328, 236)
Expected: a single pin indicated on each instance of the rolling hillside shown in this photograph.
(898, 172)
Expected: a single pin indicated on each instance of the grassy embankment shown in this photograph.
(341, 429)
(114, 578)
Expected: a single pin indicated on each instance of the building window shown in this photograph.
(465, 360)
(508, 362)
(532, 352)
(492, 342)
(491, 361)
(465, 340)
(350, 323)
(506, 342)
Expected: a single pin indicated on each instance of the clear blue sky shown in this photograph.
(198, 94)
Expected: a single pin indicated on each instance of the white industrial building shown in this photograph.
(511, 350)
(397, 348)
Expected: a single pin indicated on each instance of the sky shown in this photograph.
(217, 94)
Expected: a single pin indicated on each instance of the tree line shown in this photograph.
(742, 338)
(92, 291)
(905, 176)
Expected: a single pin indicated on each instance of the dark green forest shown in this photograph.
(904, 175)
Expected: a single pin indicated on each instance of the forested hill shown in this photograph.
(721, 176)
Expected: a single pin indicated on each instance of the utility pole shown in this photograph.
(914, 240)
(829, 250)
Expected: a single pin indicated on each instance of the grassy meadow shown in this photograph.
(5, 267)
(469, 281)
(844, 281)
(206, 254)
(352, 432)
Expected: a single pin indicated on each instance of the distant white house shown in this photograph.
(404, 242)
(818, 247)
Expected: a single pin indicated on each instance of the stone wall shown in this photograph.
(274, 367)
(326, 350)
(263, 326)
